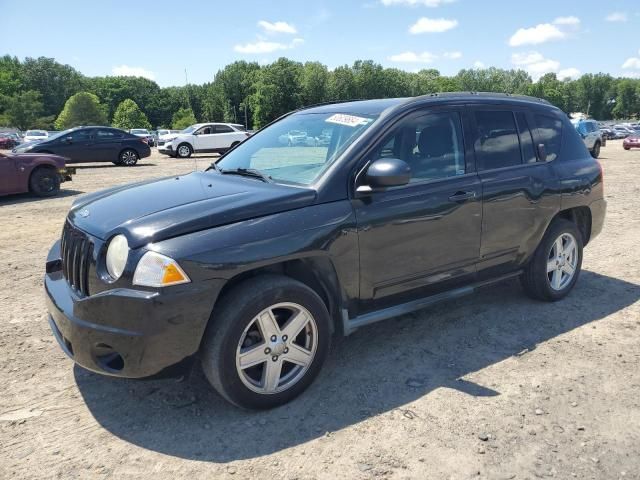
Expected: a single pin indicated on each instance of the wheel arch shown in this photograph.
(581, 217)
(316, 272)
(122, 150)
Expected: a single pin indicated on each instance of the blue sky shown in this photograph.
(161, 39)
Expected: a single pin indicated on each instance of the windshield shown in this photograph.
(36, 133)
(139, 131)
(189, 129)
(301, 157)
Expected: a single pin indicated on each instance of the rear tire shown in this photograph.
(595, 153)
(555, 266)
(184, 150)
(44, 182)
(236, 327)
(128, 158)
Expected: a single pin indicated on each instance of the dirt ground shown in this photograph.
(492, 386)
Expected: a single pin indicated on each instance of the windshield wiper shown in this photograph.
(246, 172)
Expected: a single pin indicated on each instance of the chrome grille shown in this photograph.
(76, 250)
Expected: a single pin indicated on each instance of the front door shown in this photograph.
(10, 182)
(423, 237)
(205, 139)
(76, 146)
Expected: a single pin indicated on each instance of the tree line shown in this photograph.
(43, 93)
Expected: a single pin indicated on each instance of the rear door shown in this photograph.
(224, 136)
(518, 194)
(107, 144)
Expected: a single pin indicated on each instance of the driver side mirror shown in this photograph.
(385, 173)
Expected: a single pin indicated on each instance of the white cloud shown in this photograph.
(535, 63)
(415, 3)
(432, 25)
(266, 47)
(452, 55)
(632, 63)
(569, 73)
(277, 27)
(127, 71)
(571, 20)
(616, 17)
(541, 33)
(412, 57)
(478, 64)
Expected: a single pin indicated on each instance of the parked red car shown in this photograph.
(632, 141)
(7, 142)
(40, 174)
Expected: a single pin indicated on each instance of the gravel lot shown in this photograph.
(492, 386)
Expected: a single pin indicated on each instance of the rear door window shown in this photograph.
(496, 143)
(223, 129)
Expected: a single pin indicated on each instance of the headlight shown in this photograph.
(157, 270)
(117, 255)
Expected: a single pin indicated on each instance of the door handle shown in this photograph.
(462, 196)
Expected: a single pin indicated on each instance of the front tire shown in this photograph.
(556, 263)
(44, 182)
(266, 342)
(595, 152)
(184, 150)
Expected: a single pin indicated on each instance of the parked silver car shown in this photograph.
(591, 135)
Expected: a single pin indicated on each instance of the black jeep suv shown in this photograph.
(253, 265)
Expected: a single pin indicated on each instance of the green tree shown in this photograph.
(55, 82)
(313, 83)
(22, 109)
(277, 91)
(128, 115)
(183, 118)
(83, 108)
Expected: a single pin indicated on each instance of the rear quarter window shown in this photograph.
(550, 134)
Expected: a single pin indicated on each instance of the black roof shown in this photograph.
(376, 107)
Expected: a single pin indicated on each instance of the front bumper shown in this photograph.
(167, 149)
(125, 332)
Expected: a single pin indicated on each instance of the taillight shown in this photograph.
(145, 141)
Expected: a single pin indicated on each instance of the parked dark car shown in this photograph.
(40, 174)
(253, 265)
(92, 144)
(632, 141)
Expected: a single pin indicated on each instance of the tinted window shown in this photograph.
(431, 144)
(78, 135)
(223, 129)
(550, 132)
(497, 142)
(104, 134)
(526, 139)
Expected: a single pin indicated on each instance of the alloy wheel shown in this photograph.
(562, 261)
(277, 348)
(128, 158)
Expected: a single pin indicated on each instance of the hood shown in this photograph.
(156, 210)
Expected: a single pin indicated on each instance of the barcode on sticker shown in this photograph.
(347, 120)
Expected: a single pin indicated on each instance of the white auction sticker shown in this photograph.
(347, 120)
